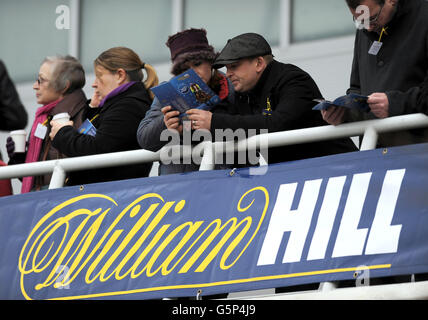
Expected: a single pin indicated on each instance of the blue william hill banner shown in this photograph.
(307, 221)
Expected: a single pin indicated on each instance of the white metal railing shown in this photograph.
(398, 291)
(209, 150)
(368, 129)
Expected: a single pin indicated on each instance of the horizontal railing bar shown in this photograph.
(314, 134)
(79, 163)
(274, 139)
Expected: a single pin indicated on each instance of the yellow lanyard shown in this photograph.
(96, 116)
(45, 123)
(381, 34)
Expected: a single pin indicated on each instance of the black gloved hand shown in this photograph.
(10, 147)
(14, 157)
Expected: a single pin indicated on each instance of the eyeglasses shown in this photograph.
(40, 80)
(372, 19)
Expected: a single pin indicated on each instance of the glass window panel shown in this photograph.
(225, 19)
(28, 34)
(315, 19)
(143, 26)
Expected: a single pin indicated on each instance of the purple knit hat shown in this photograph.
(190, 44)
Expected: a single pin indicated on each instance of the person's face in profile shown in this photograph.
(45, 93)
(244, 73)
(105, 81)
(202, 69)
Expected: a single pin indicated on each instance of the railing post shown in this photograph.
(370, 139)
(327, 286)
(58, 177)
(207, 162)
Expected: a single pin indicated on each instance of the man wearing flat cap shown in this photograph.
(269, 95)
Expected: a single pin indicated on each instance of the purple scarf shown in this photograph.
(116, 91)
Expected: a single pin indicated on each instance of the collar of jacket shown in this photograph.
(77, 99)
(137, 91)
(404, 7)
(263, 80)
(224, 87)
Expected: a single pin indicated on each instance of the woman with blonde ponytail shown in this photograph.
(152, 78)
(120, 101)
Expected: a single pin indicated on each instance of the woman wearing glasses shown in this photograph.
(59, 90)
(120, 102)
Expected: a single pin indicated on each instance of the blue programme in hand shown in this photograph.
(351, 101)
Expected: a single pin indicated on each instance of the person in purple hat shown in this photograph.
(189, 49)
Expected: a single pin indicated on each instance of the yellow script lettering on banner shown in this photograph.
(99, 244)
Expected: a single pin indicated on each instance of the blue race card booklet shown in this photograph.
(186, 91)
(87, 128)
(349, 101)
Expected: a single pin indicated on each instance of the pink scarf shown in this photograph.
(35, 144)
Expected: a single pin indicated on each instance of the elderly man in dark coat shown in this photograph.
(269, 96)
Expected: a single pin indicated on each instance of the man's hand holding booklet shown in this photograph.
(186, 91)
(352, 101)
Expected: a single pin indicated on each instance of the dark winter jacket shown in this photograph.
(400, 69)
(281, 100)
(116, 123)
(12, 113)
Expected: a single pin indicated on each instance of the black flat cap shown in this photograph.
(243, 46)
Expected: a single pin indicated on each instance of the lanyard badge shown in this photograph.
(377, 45)
(42, 128)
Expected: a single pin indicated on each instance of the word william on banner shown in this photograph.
(137, 243)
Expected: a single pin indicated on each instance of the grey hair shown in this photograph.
(68, 74)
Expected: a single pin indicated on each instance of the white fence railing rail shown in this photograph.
(368, 129)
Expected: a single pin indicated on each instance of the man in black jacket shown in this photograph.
(390, 65)
(269, 96)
